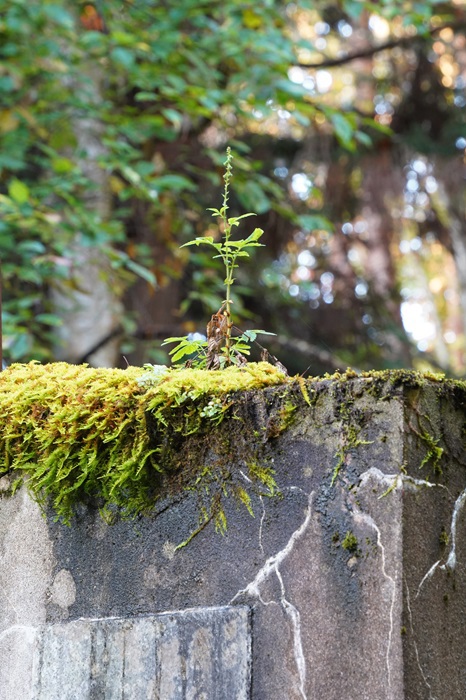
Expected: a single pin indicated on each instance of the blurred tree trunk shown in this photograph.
(450, 207)
(156, 310)
(90, 310)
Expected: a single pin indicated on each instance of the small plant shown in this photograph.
(350, 542)
(220, 348)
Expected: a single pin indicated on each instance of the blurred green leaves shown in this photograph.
(150, 75)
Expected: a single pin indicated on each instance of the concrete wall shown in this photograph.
(329, 592)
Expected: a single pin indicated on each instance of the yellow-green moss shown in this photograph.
(350, 542)
(119, 436)
(79, 432)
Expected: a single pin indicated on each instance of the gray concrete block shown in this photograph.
(201, 654)
(356, 584)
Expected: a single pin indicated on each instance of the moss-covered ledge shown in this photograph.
(118, 436)
(78, 433)
(359, 558)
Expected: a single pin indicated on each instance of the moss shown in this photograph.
(350, 542)
(352, 423)
(281, 420)
(411, 386)
(76, 432)
(127, 437)
(444, 538)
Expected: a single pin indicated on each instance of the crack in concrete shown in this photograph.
(358, 514)
(272, 566)
(450, 563)
(427, 576)
(395, 481)
(261, 525)
(416, 650)
(292, 613)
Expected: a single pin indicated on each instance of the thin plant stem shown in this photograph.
(228, 261)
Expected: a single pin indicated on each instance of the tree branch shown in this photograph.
(388, 45)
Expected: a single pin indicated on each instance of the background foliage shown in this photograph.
(347, 122)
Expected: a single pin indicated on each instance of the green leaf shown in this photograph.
(343, 129)
(174, 339)
(59, 15)
(185, 349)
(176, 118)
(260, 332)
(31, 247)
(141, 271)
(291, 89)
(18, 191)
(174, 182)
(124, 57)
(49, 319)
(314, 222)
(62, 165)
(21, 346)
(145, 96)
(123, 38)
(255, 235)
(363, 138)
(203, 240)
(252, 196)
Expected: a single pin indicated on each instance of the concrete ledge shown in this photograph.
(357, 588)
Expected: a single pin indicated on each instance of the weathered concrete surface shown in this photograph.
(357, 589)
(173, 656)
(26, 566)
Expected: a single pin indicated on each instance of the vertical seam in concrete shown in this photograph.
(272, 566)
(371, 522)
(416, 650)
(293, 614)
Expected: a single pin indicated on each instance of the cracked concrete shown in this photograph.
(272, 566)
(355, 590)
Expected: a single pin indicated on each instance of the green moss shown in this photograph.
(126, 437)
(352, 423)
(350, 542)
(76, 432)
(444, 538)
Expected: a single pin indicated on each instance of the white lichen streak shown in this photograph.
(272, 566)
(403, 481)
(368, 520)
(450, 563)
(397, 481)
(292, 613)
(427, 576)
(411, 625)
(261, 524)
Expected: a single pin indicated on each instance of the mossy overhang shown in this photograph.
(78, 433)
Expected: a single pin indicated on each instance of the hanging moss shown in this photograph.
(77, 432)
(124, 438)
